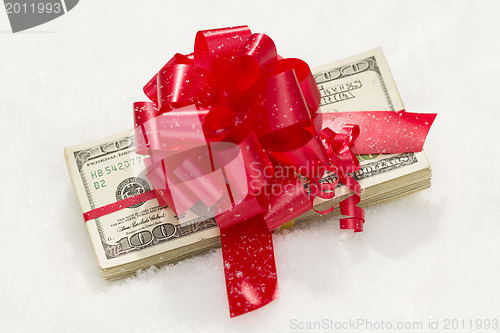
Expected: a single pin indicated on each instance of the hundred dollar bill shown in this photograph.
(359, 83)
(108, 170)
(364, 83)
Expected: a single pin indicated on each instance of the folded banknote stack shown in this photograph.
(144, 235)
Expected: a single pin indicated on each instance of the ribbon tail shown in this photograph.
(249, 267)
(382, 132)
(355, 215)
(348, 207)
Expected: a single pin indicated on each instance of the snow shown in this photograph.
(432, 256)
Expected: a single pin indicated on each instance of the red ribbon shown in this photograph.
(232, 123)
(118, 205)
(382, 131)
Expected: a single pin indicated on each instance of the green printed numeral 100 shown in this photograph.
(141, 238)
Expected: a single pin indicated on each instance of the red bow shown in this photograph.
(232, 125)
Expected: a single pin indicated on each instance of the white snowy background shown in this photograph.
(434, 255)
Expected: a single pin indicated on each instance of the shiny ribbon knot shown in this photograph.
(233, 126)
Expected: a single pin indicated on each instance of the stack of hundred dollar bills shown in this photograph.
(108, 170)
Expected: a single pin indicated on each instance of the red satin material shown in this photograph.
(382, 131)
(249, 267)
(116, 206)
(236, 89)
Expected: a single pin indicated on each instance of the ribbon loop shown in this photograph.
(215, 48)
(183, 85)
(305, 79)
(151, 88)
(280, 105)
(339, 146)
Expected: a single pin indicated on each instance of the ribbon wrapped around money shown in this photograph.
(234, 126)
